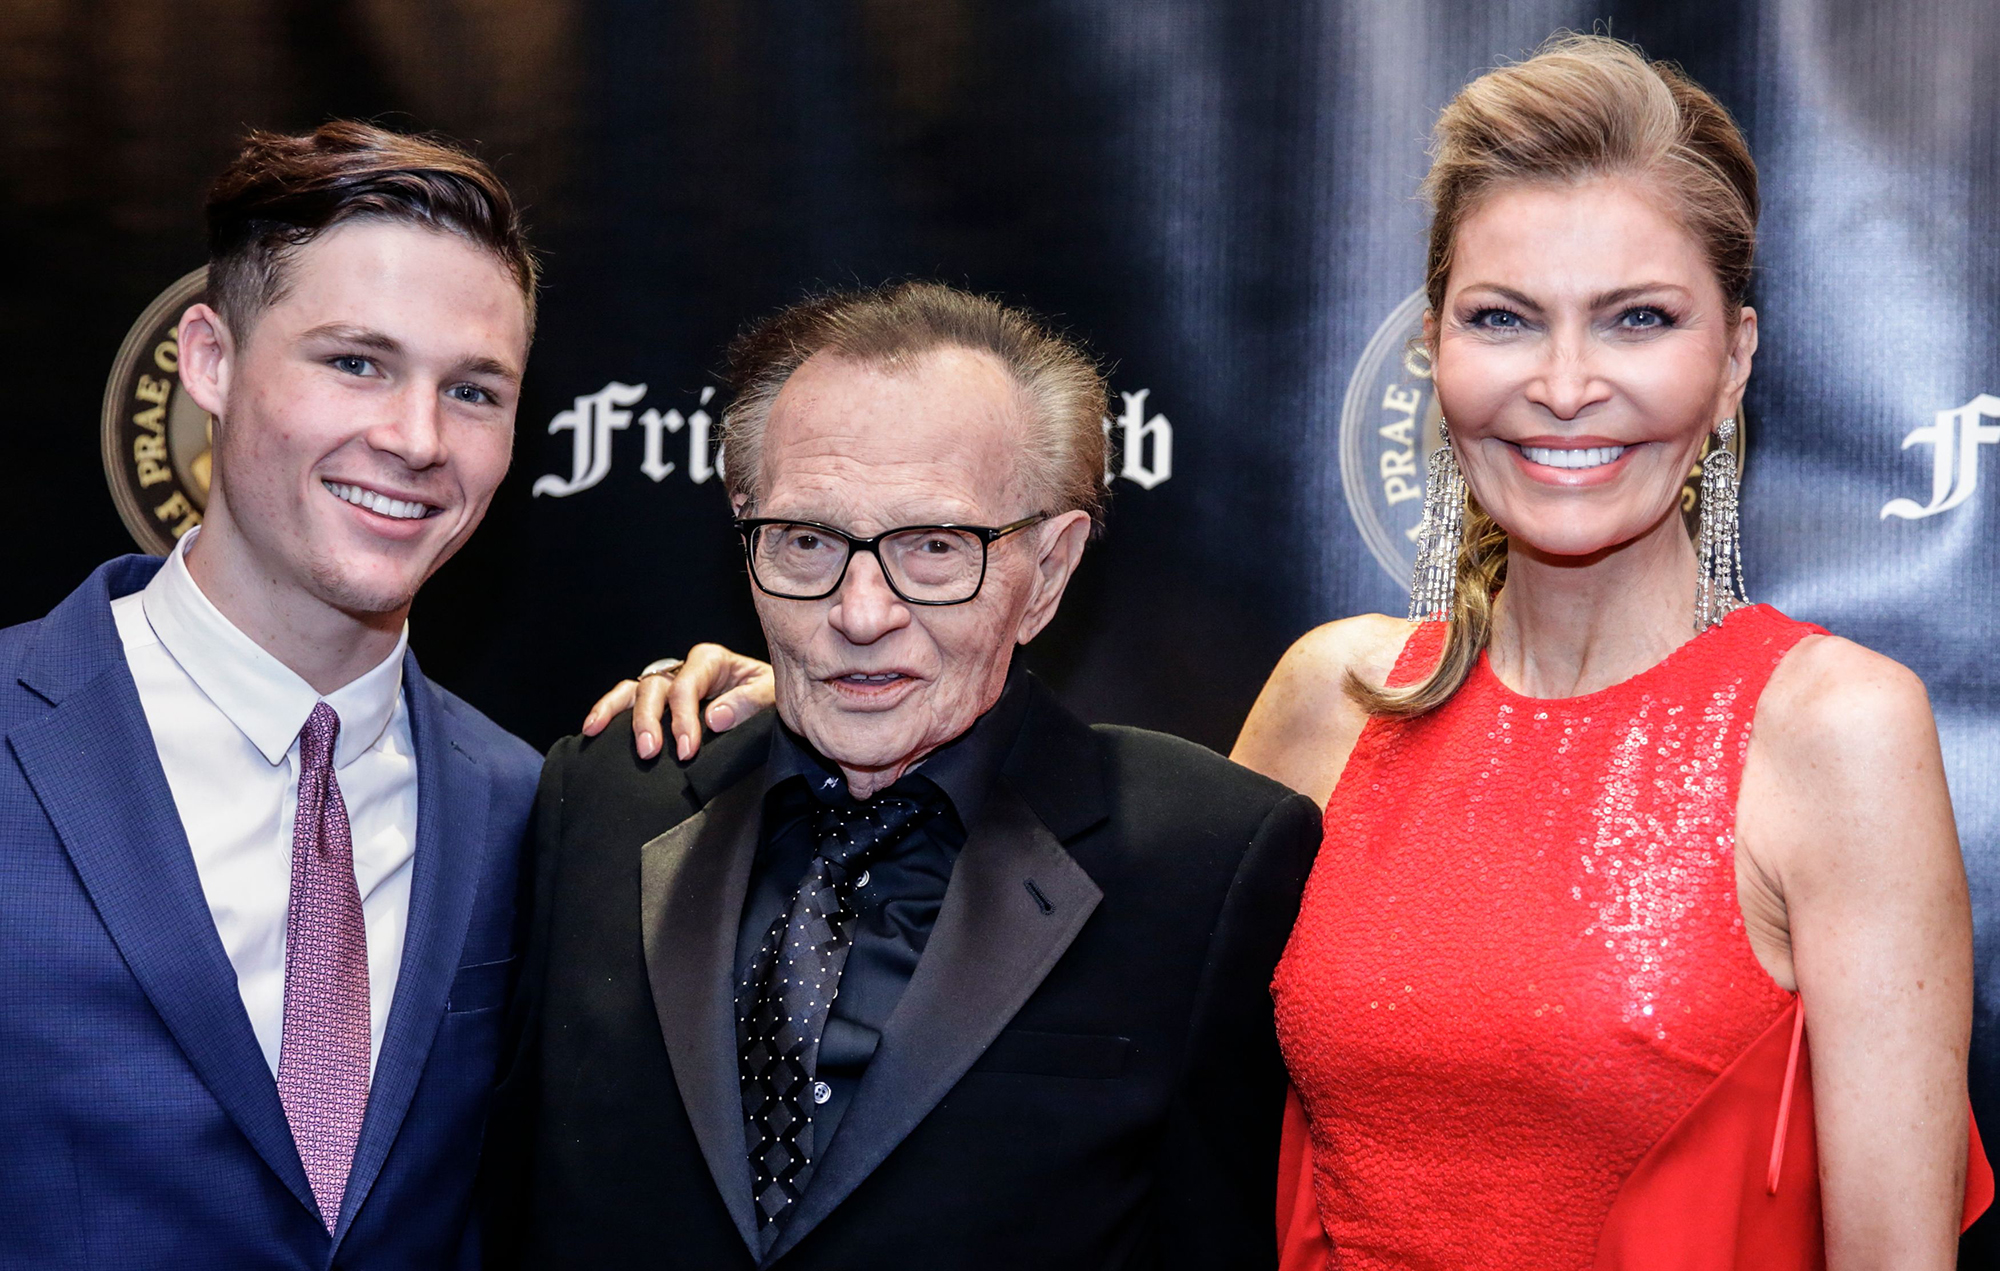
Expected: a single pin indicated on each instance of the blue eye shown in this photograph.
(1645, 318)
(470, 394)
(1496, 320)
(352, 363)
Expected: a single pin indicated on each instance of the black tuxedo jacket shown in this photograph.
(1082, 1073)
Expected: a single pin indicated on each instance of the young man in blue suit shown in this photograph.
(257, 874)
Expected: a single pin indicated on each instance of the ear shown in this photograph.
(1742, 352)
(737, 503)
(207, 358)
(1062, 540)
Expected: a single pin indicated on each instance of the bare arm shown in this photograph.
(1853, 888)
(740, 685)
(1304, 725)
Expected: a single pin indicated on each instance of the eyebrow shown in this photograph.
(367, 338)
(903, 520)
(347, 333)
(1601, 301)
(1622, 294)
(488, 366)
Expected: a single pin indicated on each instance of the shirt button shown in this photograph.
(821, 1092)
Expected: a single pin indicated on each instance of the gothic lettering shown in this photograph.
(1141, 469)
(590, 422)
(1954, 439)
(1142, 453)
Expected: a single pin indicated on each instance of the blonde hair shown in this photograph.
(1583, 106)
(1063, 442)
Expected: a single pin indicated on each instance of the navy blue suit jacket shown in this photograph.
(139, 1123)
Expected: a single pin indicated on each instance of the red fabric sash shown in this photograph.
(1735, 1182)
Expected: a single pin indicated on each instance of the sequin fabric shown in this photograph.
(1520, 956)
(323, 1054)
(781, 1007)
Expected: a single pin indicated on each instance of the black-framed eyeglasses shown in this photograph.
(924, 564)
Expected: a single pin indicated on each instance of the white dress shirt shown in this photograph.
(225, 717)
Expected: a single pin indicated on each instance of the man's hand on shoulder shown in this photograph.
(735, 685)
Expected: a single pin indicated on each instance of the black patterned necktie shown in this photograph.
(781, 1007)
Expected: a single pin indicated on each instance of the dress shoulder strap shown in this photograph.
(1748, 646)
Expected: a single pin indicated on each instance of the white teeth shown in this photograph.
(374, 502)
(1596, 457)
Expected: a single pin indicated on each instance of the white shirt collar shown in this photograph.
(262, 696)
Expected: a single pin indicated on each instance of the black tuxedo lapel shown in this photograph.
(1015, 903)
(691, 885)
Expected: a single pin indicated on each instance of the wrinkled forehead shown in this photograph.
(867, 444)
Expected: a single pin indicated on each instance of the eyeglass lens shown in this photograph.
(938, 565)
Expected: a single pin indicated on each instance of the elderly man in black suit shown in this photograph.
(924, 972)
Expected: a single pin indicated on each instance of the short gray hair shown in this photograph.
(1064, 446)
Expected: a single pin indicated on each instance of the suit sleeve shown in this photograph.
(1217, 1175)
(506, 1165)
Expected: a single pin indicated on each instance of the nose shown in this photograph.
(864, 609)
(413, 430)
(1567, 382)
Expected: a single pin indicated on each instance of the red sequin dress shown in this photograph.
(1520, 957)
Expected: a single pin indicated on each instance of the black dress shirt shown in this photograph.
(900, 894)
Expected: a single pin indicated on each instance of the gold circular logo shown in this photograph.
(1388, 427)
(156, 440)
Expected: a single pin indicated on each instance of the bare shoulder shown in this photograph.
(1845, 772)
(1304, 723)
(1367, 644)
(1834, 702)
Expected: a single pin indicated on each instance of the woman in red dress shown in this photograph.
(1597, 832)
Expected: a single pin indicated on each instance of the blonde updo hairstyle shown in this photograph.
(1583, 107)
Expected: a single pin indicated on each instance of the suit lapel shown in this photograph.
(691, 885)
(452, 803)
(93, 765)
(995, 941)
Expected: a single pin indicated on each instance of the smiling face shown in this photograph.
(1583, 354)
(875, 683)
(366, 418)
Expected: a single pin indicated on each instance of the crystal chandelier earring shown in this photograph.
(1435, 579)
(1718, 588)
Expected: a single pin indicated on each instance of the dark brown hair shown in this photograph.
(1060, 384)
(1583, 106)
(282, 192)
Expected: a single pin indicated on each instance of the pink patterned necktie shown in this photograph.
(323, 1060)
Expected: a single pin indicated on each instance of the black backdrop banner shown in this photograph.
(1218, 195)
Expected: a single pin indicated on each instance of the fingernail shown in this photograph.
(649, 745)
(683, 747)
(720, 717)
